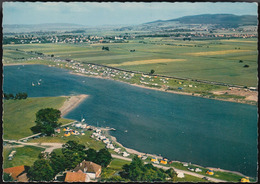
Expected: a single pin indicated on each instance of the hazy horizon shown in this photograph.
(98, 14)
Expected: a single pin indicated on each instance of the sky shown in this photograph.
(116, 13)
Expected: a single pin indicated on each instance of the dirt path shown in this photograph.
(71, 103)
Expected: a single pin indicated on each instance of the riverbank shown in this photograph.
(15, 64)
(250, 96)
(132, 151)
(71, 103)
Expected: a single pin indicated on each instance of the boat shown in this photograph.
(39, 83)
(126, 131)
(33, 84)
(113, 129)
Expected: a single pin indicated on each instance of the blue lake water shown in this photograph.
(186, 128)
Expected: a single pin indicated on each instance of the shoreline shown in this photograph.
(133, 151)
(252, 102)
(162, 90)
(71, 103)
(15, 64)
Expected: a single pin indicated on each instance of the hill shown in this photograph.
(222, 19)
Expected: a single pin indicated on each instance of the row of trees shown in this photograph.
(18, 96)
(138, 171)
(73, 153)
(46, 121)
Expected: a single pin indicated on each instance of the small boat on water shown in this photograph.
(33, 84)
(39, 83)
(113, 129)
(126, 131)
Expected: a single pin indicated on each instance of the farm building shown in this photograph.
(92, 169)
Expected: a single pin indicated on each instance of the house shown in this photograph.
(92, 169)
(17, 173)
(76, 177)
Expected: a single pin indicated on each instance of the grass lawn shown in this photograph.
(81, 139)
(24, 156)
(19, 115)
(114, 167)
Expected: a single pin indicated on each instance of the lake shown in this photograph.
(186, 128)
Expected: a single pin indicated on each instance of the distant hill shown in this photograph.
(40, 27)
(222, 19)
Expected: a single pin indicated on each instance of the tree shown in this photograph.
(91, 154)
(57, 162)
(8, 96)
(74, 153)
(7, 177)
(46, 121)
(41, 171)
(103, 157)
(246, 66)
(137, 171)
(152, 71)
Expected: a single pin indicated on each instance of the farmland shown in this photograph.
(212, 60)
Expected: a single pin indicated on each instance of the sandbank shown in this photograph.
(71, 103)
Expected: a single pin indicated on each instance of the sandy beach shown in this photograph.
(71, 102)
(14, 64)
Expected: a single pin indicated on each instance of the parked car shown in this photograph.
(205, 178)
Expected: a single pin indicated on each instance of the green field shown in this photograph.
(81, 139)
(19, 115)
(221, 63)
(24, 156)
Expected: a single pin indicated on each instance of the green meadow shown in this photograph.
(19, 115)
(212, 60)
(24, 156)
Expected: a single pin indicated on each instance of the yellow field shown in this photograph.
(144, 62)
(221, 52)
(245, 41)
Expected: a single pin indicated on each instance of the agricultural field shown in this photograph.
(212, 60)
(15, 127)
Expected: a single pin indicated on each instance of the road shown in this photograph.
(49, 147)
(177, 170)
